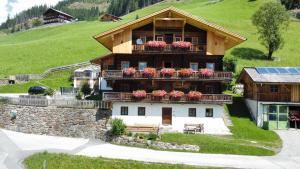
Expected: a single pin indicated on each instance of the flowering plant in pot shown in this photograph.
(176, 95)
(167, 72)
(158, 94)
(185, 72)
(194, 95)
(149, 72)
(156, 44)
(182, 44)
(206, 72)
(129, 72)
(139, 94)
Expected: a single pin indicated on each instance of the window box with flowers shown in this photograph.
(139, 94)
(156, 45)
(129, 72)
(206, 73)
(149, 72)
(181, 45)
(185, 72)
(176, 95)
(194, 95)
(158, 94)
(167, 72)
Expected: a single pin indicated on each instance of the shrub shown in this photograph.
(118, 127)
(185, 72)
(229, 64)
(139, 94)
(194, 95)
(129, 71)
(167, 72)
(85, 89)
(149, 72)
(182, 44)
(79, 95)
(156, 44)
(152, 136)
(159, 93)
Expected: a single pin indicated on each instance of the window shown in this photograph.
(194, 66)
(124, 111)
(125, 64)
(177, 38)
(142, 65)
(141, 111)
(274, 89)
(160, 38)
(192, 112)
(209, 112)
(210, 66)
(195, 40)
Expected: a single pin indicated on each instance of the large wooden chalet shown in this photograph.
(156, 58)
(55, 16)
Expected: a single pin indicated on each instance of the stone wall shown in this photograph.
(3, 82)
(69, 122)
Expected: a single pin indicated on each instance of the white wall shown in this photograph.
(212, 125)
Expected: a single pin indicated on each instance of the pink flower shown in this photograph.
(194, 95)
(206, 72)
(156, 44)
(182, 44)
(149, 72)
(167, 71)
(185, 72)
(159, 93)
(139, 94)
(129, 71)
(176, 94)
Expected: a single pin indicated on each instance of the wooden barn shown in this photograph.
(109, 17)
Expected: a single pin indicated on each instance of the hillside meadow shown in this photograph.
(36, 50)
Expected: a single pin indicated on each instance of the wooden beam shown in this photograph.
(154, 29)
(170, 19)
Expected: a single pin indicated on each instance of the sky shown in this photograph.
(13, 7)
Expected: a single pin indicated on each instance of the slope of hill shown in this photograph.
(36, 50)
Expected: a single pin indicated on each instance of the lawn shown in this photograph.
(247, 139)
(63, 161)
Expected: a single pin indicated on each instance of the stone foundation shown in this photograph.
(68, 122)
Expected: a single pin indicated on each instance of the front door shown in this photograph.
(167, 116)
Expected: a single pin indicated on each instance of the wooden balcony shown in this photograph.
(118, 75)
(168, 49)
(206, 98)
(274, 97)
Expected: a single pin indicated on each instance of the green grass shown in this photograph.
(247, 139)
(63, 161)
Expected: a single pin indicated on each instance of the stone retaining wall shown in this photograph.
(69, 122)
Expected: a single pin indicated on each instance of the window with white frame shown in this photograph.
(125, 64)
(177, 38)
(194, 66)
(160, 38)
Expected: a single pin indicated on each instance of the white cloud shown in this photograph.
(19, 5)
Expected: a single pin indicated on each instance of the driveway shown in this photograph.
(14, 147)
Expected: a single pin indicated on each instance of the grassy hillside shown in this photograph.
(36, 50)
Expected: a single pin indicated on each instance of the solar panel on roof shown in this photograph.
(277, 70)
(282, 70)
(272, 70)
(261, 70)
(293, 71)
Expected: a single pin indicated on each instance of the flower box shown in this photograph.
(149, 72)
(181, 45)
(167, 72)
(194, 95)
(176, 95)
(156, 45)
(158, 94)
(139, 94)
(185, 72)
(206, 72)
(129, 72)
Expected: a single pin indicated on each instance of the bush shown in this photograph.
(79, 95)
(85, 89)
(152, 136)
(118, 127)
(229, 64)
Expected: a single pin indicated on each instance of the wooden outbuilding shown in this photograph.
(109, 17)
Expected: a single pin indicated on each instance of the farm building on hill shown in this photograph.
(56, 16)
(109, 17)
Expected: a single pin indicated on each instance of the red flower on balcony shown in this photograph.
(176, 95)
(194, 95)
(168, 72)
(156, 44)
(139, 94)
(149, 72)
(182, 44)
(185, 72)
(129, 71)
(159, 93)
(206, 72)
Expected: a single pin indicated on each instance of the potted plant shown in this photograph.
(185, 72)
(149, 72)
(176, 95)
(194, 95)
(156, 45)
(182, 45)
(167, 72)
(206, 72)
(129, 72)
(139, 94)
(158, 94)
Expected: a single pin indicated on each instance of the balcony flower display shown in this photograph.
(159, 93)
(167, 72)
(194, 95)
(139, 94)
(185, 72)
(156, 44)
(206, 72)
(129, 72)
(182, 44)
(176, 95)
(149, 72)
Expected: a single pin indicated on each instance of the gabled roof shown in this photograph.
(258, 77)
(55, 10)
(204, 24)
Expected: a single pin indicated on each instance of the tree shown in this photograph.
(36, 22)
(271, 19)
(85, 89)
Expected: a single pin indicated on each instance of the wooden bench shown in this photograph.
(142, 129)
(193, 128)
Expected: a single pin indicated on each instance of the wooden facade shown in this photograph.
(56, 16)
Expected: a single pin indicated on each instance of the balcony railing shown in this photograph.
(118, 75)
(168, 49)
(206, 98)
